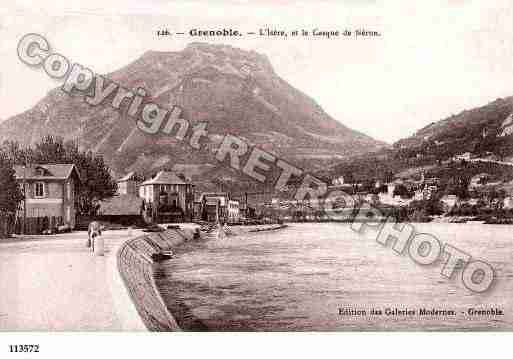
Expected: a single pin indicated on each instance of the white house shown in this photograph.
(463, 156)
(450, 201)
(168, 189)
(338, 181)
(233, 210)
(508, 202)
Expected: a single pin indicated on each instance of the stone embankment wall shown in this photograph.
(137, 268)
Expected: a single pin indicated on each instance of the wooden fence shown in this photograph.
(37, 225)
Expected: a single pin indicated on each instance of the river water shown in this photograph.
(301, 277)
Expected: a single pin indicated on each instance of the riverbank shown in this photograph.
(138, 270)
(55, 283)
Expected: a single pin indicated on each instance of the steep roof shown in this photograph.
(127, 177)
(166, 177)
(132, 176)
(49, 171)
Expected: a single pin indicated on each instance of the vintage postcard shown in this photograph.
(256, 167)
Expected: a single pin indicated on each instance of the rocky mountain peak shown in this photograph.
(235, 90)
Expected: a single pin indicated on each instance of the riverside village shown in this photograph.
(49, 197)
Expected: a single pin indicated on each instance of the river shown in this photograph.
(301, 278)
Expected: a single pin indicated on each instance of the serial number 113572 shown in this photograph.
(24, 348)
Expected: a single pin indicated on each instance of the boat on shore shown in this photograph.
(162, 255)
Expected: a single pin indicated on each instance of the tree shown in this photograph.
(15, 153)
(458, 186)
(349, 178)
(10, 193)
(96, 181)
(368, 185)
(388, 177)
(431, 207)
(402, 191)
(50, 150)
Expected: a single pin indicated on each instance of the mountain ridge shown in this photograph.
(481, 135)
(236, 91)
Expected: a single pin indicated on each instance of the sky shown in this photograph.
(434, 58)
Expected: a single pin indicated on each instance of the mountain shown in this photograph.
(236, 91)
(485, 133)
(483, 129)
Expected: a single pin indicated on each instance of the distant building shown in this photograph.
(246, 211)
(125, 209)
(432, 181)
(387, 199)
(126, 206)
(214, 206)
(463, 156)
(449, 201)
(369, 197)
(479, 180)
(391, 189)
(473, 201)
(129, 183)
(429, 191)
(338, 181)
(168, 194)
(508, 202)
(507, 126)
(489, 156)
(419, 195)
(233, 211)
(50, 192)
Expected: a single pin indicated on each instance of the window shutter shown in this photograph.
(47, 189)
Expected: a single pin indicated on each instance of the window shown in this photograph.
(39, 189)
(68, 189)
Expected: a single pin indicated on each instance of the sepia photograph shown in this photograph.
(234, 166)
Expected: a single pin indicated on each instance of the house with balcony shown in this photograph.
(168, 197)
